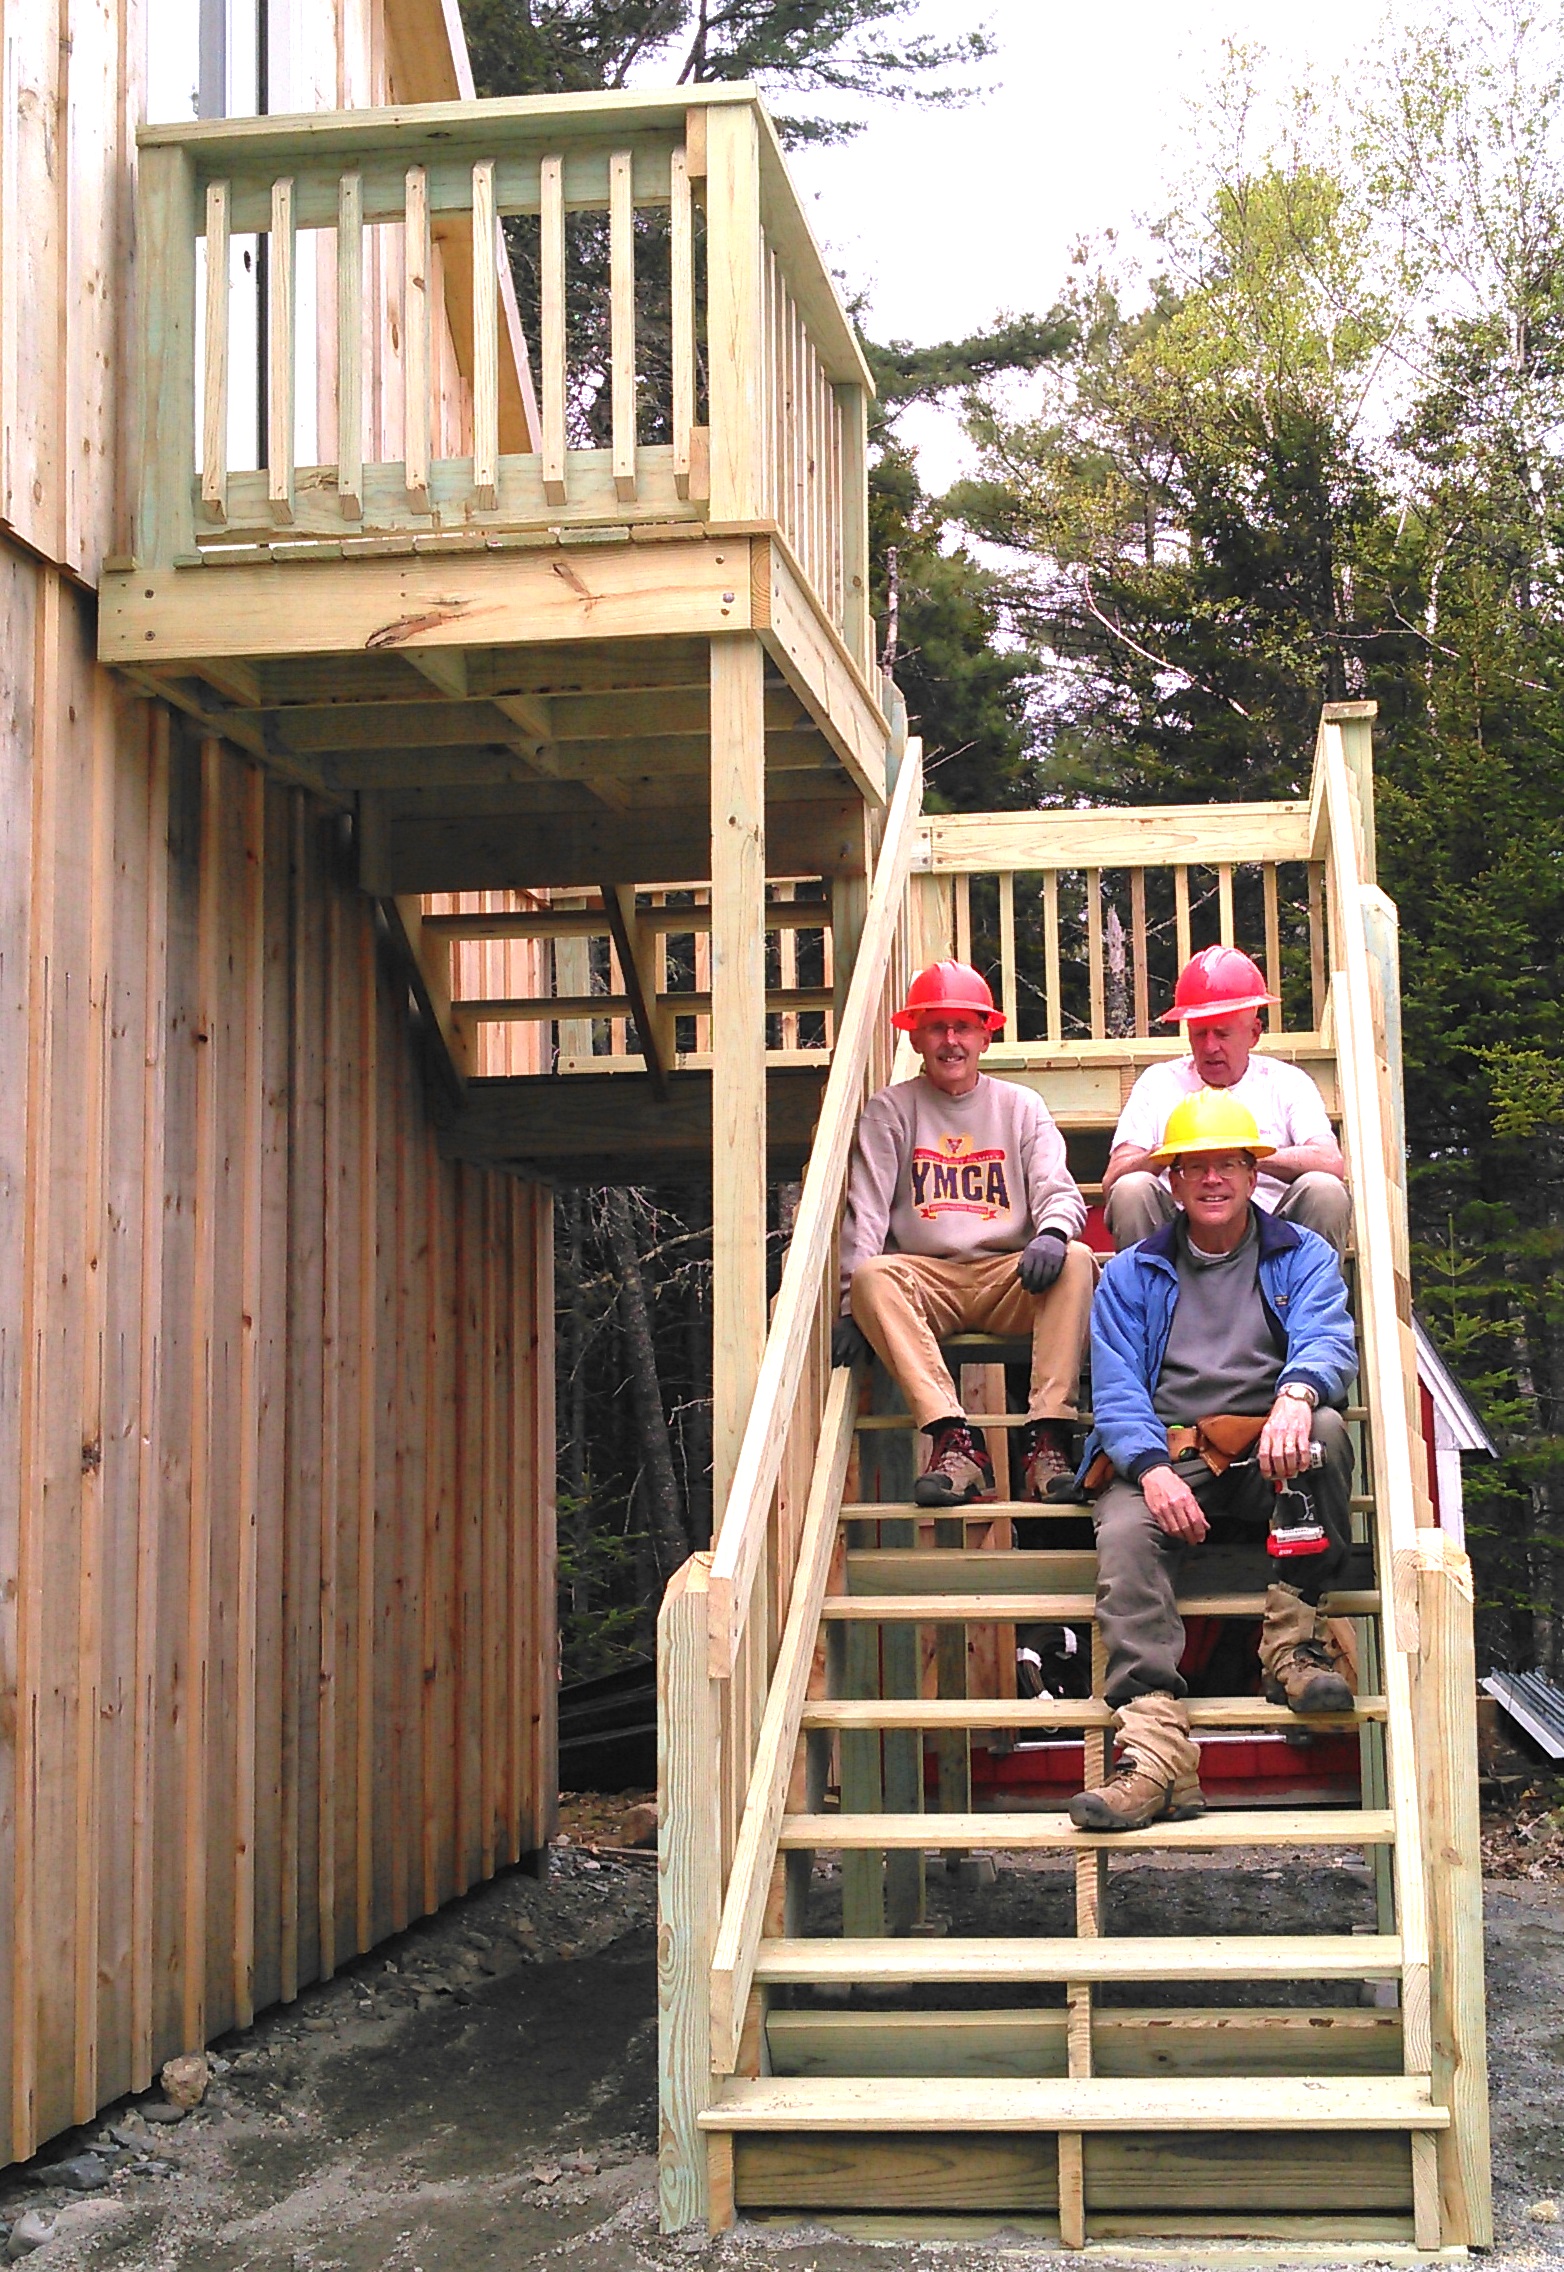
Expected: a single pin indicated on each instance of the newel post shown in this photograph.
(733, 308)
(166, 277)
(689, 1891)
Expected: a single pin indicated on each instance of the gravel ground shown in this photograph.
(480, 2095)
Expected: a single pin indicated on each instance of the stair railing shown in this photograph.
(1401, 1508)
(729, 1703)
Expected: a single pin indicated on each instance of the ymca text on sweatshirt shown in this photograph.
(955, 1176)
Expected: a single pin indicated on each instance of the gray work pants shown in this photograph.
(1138, 1565)
(1139, 1205)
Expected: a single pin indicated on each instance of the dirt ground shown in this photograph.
(480, 2095)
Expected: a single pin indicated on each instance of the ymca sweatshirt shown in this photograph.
(955, 1176)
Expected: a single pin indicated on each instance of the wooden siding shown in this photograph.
(276, 1517)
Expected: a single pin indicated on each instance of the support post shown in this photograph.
(689, 1891)
(738, 1043)
(1446, 1713)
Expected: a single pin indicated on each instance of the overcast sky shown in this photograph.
(946, 218)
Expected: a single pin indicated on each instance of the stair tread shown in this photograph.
(1161, 1957)
(1068, 1712)
(1038, 1569)
(997, 1608)
(1102, 2102)
(1316, 1826)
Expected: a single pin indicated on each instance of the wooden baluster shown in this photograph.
(1007, 953)
(1181, 912)
(1273, 947)
(551, 323)
(214, 422)
(485, 340)
(1094, 952)
(964, 919)
(857, 621)
(1317, 962)
(416, 341)
(787, 944)
(1051, 980)
(350, 346)
(1224, 903)
(280, 355)
(1138, 942)
(681, 260)
(621, 293)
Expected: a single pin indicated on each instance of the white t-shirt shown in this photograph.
(1287, 1107)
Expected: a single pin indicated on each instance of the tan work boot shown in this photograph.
(1157, 1778)
(1044, 1446)
(1295, 1653)
(959, 1468)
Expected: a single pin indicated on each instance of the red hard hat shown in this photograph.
(947, 986)
(1216, 982)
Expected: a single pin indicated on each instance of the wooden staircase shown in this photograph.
(1323, 2087)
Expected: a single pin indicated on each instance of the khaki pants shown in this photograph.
(907, 1304)
(1138, 1564)
(1139, 1205)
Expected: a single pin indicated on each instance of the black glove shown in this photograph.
(848, 1346)
(1042, 1261)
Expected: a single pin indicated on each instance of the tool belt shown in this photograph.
(1219, 1440)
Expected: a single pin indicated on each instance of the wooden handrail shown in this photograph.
(741, 1533)
(744, 1907)
(1380, 1325)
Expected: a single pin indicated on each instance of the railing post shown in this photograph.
(689, 1891)
(733, 311)
(1356, 720)
(166, 265)
(1446, 1717)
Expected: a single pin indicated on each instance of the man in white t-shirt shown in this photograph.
(1219, 996)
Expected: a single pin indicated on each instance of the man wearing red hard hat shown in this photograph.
(962, 1215)
(1219, 997)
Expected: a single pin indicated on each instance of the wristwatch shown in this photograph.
(1301, 1392)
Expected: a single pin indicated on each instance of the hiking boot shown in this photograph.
(959, 1468)
(1156, 1777)
(1296, 1656)
(1043, 1448)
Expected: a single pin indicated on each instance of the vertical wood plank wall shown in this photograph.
(276, 1458)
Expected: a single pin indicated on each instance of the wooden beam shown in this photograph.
(638, 961)
(593, 923)
(426, 966)
(412, 605)
(813, 658)
(1108, 837)
(1038, 1833)
(737, 868)
(428, 852)
(572, 1125)
(548, 1009)
(1310, 2103)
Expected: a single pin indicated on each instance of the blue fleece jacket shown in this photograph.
(1305, 1305)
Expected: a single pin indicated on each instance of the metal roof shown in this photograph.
(1449, 1399)
(1534, 1703)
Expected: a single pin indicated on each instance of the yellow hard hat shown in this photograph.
(1210, 1121)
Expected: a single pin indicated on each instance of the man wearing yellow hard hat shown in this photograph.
(1219, 997)
(1221, 1348)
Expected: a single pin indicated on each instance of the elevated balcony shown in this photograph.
(490, 639)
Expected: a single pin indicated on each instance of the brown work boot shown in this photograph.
(959, 1468)
(1157, 1777)
(1296, 1656)
(1044, 1451)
